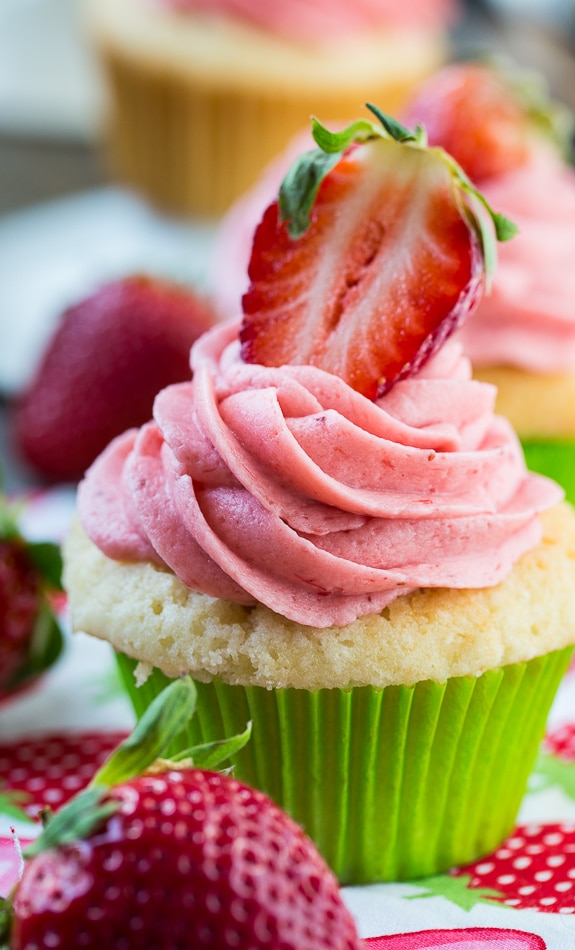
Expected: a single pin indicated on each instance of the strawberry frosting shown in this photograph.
(528, 320)
(284, 486)
(317, 20)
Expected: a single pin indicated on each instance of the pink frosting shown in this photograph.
(317, 20)
(528, 320)
(284, 486)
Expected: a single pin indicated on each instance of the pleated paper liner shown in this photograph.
(555, 458)
(391, 784)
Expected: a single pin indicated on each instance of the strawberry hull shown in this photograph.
(391, 784)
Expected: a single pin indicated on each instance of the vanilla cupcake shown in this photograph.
(357, 560)
(202, 95)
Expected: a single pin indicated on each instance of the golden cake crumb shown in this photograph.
(147, 613)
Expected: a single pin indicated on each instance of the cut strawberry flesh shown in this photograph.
(387, 270)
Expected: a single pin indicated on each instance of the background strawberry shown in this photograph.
(369, 260)
(487, 120)
(177, 857)
(109, 356)
(30, 639)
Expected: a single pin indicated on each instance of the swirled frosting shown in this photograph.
(528, 320)
(284, 486)
(317, 20)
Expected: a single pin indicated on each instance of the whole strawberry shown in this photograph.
(488, 119)
(177, 858)
(109, 356)
(30, 639)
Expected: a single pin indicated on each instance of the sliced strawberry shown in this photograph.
(390, 265)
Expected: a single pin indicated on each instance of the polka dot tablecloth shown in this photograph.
(522, 897)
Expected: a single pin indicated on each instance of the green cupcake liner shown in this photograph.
(391, 784)
(555, 458)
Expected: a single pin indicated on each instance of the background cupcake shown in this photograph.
(341, 542)
(512, 142)
(202, 94)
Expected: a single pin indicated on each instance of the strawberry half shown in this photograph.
(30, 638)
(487, 119)
(375, 252)
(179, 857)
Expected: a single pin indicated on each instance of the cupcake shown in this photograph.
(203, 94)
(332, 531)
(522, 338)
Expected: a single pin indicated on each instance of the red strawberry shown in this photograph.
(476, 115)
(110, 355)
(389, 265)
(30, 639)
(175, 858)
(486, 119)
(534, 868)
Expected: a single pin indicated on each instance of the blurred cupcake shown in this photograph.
(203, 93)
(522, 339)
(329, 528)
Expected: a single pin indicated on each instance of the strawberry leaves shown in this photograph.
(30, 572)
(300, 187)
(163, 720)
(209, 755)
(161, 723)
(82, 815)
(174, 857)
(301, 184)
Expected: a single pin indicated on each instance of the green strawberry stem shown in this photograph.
(162, 722)
(300, 186)
(77, 819)
(209, 755)
(164, 719)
